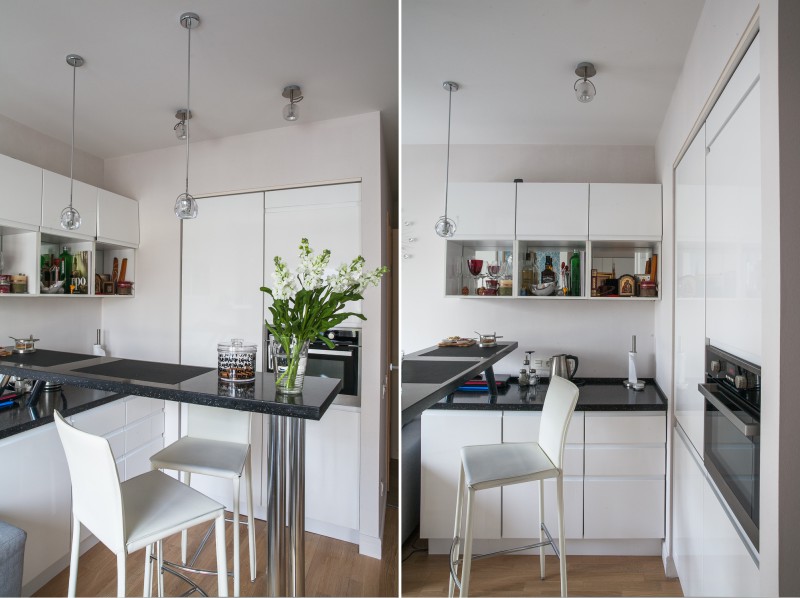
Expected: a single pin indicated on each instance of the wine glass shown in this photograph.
(475, 268)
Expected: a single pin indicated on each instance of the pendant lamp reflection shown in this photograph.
(185, 204)
(70, 218)
(445, 227)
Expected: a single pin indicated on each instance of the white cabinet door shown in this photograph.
(20, 193)
(690, 278)
(625, 428)
(624, 211)
(482, 210)
(734, 264)
(36, 498)
(521, 501)
(687, 517)
(332, 473)
(55, 197)
(117, 219)
(623, 508)
(227, 240)
(728, 569)
(443, 435)
(548, 211)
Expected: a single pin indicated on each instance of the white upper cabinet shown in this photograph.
(482, 210)
(117, 219)
(55, 197)
(619, 211)
(20, 194)
(547, 211)
(740, 83)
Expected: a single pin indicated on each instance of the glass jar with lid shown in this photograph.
(236, 361)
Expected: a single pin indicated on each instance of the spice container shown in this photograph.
(506, 285)
(5, 284)
(236, 362)
(19, 283)
(124, 288)
(647, 288)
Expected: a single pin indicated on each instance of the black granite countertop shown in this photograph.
(172, 382)
(596, 394)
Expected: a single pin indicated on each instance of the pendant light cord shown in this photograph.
(188, 87)
(72, 149)
(447, 176)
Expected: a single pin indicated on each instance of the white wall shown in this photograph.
(598, 332)
(148, 326)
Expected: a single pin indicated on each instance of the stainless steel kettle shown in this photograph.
(559, 366)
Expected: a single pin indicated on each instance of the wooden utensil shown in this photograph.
(123, 269)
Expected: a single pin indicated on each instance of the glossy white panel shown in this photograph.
(623, 508)
(143, 431)
(687, 518)
(101, 420)
(117, 219)
(624, 211)
(523, 426)
(481, 210)
(621, 428)
(746, 74)
(443, 435)
(138, 462)
(55, 197)
(552, 211)
(734, 264)
(20, 193)
(690, 277)
(521, 509)
(622, 460)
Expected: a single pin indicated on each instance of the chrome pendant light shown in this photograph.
(70, 218)
(185, 205)
(584, 89)
(294, 94)
(445, 227)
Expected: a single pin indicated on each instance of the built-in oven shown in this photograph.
(732, 445)
(343, 361)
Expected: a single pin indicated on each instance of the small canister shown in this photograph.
(647, 288)
(506, 285)
(5, 283)
(19, 283)
(236, 362)
(124, 288)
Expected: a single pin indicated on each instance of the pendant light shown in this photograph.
(294, 94)
(584, 89)
(70, 218)
(185, 204)
(445, 227)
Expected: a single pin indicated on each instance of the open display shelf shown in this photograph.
(497, 268)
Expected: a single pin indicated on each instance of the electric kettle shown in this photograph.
(559, 367)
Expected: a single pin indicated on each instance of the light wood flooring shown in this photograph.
(333, 567)
(518, 575)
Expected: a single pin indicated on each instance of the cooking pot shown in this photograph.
(24, 345)
(559, 366)
(487, 340)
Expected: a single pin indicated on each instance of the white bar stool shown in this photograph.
(134, 514)
(217, 444)
(493, 465)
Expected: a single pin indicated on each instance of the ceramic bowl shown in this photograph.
(542, 290)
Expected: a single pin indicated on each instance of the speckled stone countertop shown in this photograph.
(596, 394)
(116, 377)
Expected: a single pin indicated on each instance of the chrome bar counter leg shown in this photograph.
(296, 482)
(276, 507)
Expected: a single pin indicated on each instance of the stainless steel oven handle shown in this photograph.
(749, 430)
(334, 353)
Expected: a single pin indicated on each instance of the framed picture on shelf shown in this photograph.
(627, 286)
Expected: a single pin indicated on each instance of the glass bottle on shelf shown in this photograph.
(65, 269)
(575, 274)
(526, 282)
(549, 274)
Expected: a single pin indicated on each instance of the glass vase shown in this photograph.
(289, 360)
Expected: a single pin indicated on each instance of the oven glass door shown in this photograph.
(335, 363)
(732, 458)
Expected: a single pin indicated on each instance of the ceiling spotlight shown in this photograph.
(181, 130)
(294, 94)
(584, 89)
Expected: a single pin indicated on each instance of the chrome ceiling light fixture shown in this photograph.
(181, 131)
(185, 205)
(70, 218)
(294, 94)
(584, 89)
(445, 227)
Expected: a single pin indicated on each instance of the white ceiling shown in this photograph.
(516, 59)
(343, 53)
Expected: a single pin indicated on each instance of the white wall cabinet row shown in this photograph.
(31, 201)
(614, 475)
(36, 485)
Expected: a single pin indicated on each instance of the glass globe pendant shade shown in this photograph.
(70, 218)
(584, 90)
(445, 227)
(185, 207)
(180, 130)
(291, 112)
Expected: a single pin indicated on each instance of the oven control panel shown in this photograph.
(736, 375)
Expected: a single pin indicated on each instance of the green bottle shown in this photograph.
(65, 270)
(575, 274)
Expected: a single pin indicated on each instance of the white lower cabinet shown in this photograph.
(709, 554)
(36, 498)
(443, 435)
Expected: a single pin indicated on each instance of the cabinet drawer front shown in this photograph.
(142, 432)
(618, 508)
(137, 408)
(101, 420)
(609, 428)
(138, 462)
(625, 460)
(565, 205)
(521, 426)
(521, 509)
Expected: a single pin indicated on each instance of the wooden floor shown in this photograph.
(518, 575)
(333, 568)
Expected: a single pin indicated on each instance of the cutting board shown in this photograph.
(457, 342)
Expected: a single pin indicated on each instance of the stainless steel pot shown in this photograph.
(559, 366)
(23, 345)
